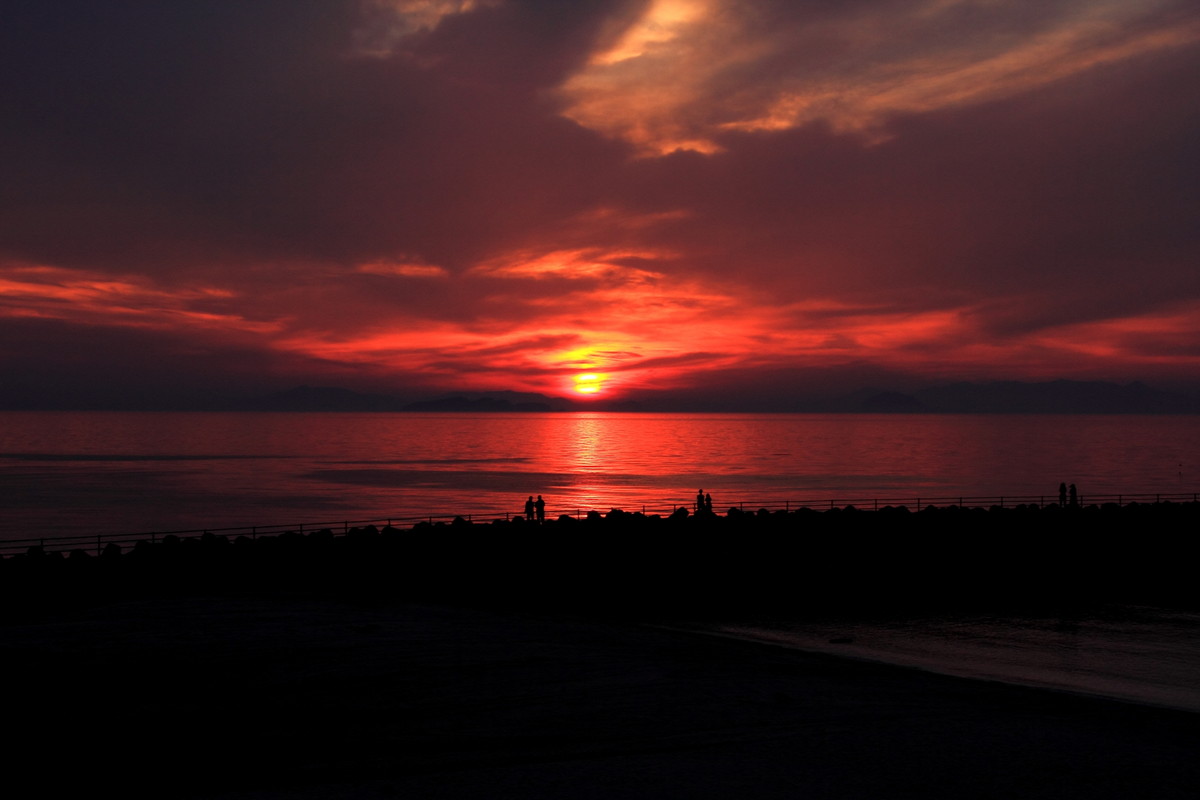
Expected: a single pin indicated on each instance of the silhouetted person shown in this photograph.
(708, 503)
(541, 509)
(699, 501)
(1073, 495)
(529, 508)
(1062, 494)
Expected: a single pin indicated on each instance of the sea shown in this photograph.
(77, 473)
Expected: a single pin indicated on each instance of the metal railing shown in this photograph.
(95, 543)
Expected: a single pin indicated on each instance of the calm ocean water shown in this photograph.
(108, 472)
(105, 472)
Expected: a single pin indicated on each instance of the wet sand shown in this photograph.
(292, 697)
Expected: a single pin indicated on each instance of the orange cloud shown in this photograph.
(602, 316)
(387, 24)
(622, 316)
(1167, 336)
(587, 263)
(80, 296)
(687, 70)
(402, 269)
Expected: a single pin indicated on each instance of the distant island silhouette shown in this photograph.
(964, 397)
(994, 397)
(329, 398)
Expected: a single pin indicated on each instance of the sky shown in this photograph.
(739, 201)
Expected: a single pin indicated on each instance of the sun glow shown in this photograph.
(589, 383)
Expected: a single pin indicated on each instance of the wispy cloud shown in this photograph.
(400, 269)
(387, 25)
(77, 296)
(687, 70)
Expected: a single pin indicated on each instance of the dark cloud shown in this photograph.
(53, 364)
(156, 136)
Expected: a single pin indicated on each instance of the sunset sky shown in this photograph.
(701, 198)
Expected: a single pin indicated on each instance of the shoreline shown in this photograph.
(943, 669)
(286, 697)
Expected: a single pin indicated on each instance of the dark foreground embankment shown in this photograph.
(439, 662)
(622, 565)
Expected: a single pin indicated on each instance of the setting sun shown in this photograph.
(589, 383)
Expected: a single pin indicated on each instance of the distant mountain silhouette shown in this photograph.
(502, 400)
(460, 403)
(324, 398)
(330, 398)
(875, 401)
(1055, 397)
(996, 397)
(1020, 397)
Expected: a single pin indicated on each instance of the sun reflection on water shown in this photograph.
(585, 446)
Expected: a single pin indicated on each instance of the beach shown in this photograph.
(286, 696)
